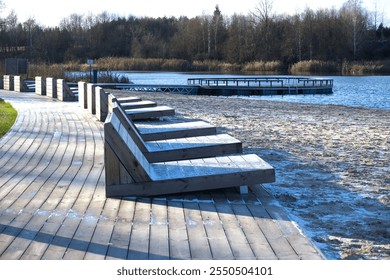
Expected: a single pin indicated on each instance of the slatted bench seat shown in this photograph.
(164, 129)
(161, 130)
(143, 178)
(138, 104)
(192, 147)
(183, 148)
(128, 99)
(150, 113)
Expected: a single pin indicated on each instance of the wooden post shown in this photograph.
(18, 84)
(91, 98)
(40, 86)
(51, 87)
(83, 102)
(60, 90)
(101, 104)
(64, 93)
(8, 82)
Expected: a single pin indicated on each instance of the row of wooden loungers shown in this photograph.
(161, 157)
(53, 204)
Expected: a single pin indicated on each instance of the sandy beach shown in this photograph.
(332, 164)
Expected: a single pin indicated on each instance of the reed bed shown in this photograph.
(264, 66)
(366, 67)
(315, 66)
(106, 67)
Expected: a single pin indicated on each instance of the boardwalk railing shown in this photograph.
(187, 89)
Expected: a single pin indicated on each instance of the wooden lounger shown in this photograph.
(148, 179)
(161, 130)
(150, 113)
(183, 148)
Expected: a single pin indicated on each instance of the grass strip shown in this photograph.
(7, 117)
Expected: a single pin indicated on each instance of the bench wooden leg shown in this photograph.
(243, 189)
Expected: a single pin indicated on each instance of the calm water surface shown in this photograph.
(356, 91)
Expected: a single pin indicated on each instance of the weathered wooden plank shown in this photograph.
(159, 238)
(219, 244)
(139, 239)
(197, 237)
(272, 232)
(90, 194)
(255, 236)
(138, 104)
(153, 131)
(302, 245)
(99, 244)
(178, 236)
(235, 235)
(128, 99)
(150, 113)
(192, 147)
(120, 239)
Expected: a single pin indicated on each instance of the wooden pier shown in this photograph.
(262, 85)
(237, 86)
(53, 204)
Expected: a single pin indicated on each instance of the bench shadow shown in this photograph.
(312, 196)
(73, 244)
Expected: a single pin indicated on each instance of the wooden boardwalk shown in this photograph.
(53, 204)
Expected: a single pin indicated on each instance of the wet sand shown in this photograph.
(332, 164)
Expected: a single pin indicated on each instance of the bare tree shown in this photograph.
(356, 21)
(263, 12)
(262, 17)
(30, 25)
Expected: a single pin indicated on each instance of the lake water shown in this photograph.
(356, 91)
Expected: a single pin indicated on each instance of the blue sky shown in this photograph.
(55, 10)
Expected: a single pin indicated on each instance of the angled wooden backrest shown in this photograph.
(132, 158)
(129, 125)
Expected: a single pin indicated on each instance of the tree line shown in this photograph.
(349, 33)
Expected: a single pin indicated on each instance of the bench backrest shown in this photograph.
(137, 138)
(140, 167)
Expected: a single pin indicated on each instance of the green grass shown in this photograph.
(7, 117)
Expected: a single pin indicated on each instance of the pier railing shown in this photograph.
(268, 82)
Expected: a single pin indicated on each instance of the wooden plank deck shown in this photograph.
(53, 204)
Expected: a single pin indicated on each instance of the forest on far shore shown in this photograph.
(262, 40)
